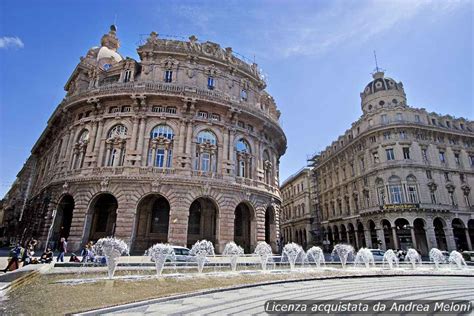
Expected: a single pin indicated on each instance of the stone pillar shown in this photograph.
(468, 239)
(178, 228)
(181, 136)
(451, 244)
(107, 154)
(98, 143)
(356, 237)
(348, 237)
(368, 239)
(395, 238)
(65, 144)
(231, 144)
(93, 134)
(125, 221)
(118, 157)
(189, 137)
(225, 232)
(413, 237)
(133, 143)
(225, 147)
(381, 237)
(141, 135)
(431, 237)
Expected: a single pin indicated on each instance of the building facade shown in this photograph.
(400, 177)
(180, 146)
(296, 217)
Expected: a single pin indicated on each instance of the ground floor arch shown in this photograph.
(62, 220)
(419, 229)
(152, 222)
(103, 212)
(202, 221)
(459, 232)
(440, 235)
(244, 227)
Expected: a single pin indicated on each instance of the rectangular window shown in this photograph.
(442, 157)
(428, 174)
(399, 117)
(250, 127)
(456, 159)
(243, 95)
(202, 114)
(215, 117)
(125, 109)
(373, 139)
(362, 164)
(396, 194)
(210, 82)
(446, 176)
(390, 154)
(158, 109)
(424, 154)
(461, 126)
(168, 76)
(433, 197)
(471, 160)
(403, 135)
(462, 177)
(384, 119)
(433, 121)
(241, 124)
(128, 75)
(417, 118)
(171, 110)
(386, 135)
(406, 153)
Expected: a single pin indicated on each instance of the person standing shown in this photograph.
(62, 249)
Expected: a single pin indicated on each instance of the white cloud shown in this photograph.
(11, 42)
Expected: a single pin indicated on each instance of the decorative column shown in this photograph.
(98, 143)
(133, 143)
(108, 148)
(368, 239)
(431, 236)
(381, 237)
(356, 237)
(141, 135)
(395, 238)
(451, 243)
(413, 237)
(468, 239)
(182, 130)
(189, 137)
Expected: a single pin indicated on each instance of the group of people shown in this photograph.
(25, 254)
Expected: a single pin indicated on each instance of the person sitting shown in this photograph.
(47, 256)
(74, 258)
(15, 254)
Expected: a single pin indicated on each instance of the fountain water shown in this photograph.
(233, 251)
(160, 253)
(437, 257)
(391, 258)
(264, 252)
(201, 249)
(292, 253)
(316, 254)
(413, 257)
(112, 249)
(364, 256)
(342, 251)
(455, 258)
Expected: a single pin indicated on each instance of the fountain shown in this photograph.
(160, 253)
(413, 257)
(364, 256)
(437, 257)
(342, 251)
(391, 258)
(233, 251)
(264, 252)
(201, 249)
(317, 255)
(291, 253)
(455, 258)
(112, 249)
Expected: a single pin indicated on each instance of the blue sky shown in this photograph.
(318, 56)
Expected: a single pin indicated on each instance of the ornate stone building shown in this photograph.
(399, 177)
(179, 146)
(296, 220)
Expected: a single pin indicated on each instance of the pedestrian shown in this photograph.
(74, 258)
(47, 256)
(62, 249)
(15, 254)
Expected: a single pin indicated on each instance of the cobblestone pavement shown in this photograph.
(251, 300)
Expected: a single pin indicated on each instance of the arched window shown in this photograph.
(412, 189)
(395, 190)
(80, 148)
(116, 143)
(380, 191)
(206, 152)
(160, 152)
(244, 158)
(268, 168)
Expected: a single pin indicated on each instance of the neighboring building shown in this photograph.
(296, 220)
(400, 177)
(179, 146)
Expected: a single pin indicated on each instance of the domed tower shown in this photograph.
(382, 92)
